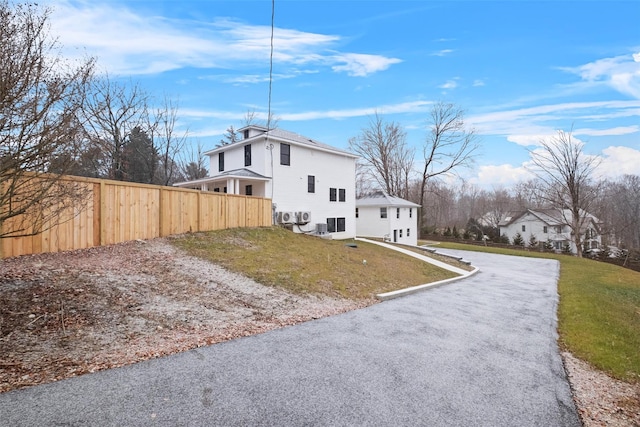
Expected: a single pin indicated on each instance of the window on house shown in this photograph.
(410, 212)
(341, 224)
(220, 162)
(248, 190)
(400, 233)
(311, 184)
(408, 231)
(342, 195)
(558, 229)
(224, 190)
(247, 155)
(524, 228)
(545, 229)
(383, 213)
(357, 213)
(285, 154)
(397, 212)
(216, 190)
(333, 194)
(331, 225)
(246, 133)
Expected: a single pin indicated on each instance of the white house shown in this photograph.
(382, 216)
(311, 185)
(551, 225)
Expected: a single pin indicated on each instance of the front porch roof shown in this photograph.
(243, 173)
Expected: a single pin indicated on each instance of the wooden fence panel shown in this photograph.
(114, 212)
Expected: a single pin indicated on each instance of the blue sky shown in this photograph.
(521, 70)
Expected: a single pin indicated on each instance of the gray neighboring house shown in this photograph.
(551, 225)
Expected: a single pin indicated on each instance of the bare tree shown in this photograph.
(113, 110)
(193, 165)
(619, 210)
(251, 117)
(384, 151)
(530, 194)
(167, 141)
(41, 95)
(449, 145)
(568, 176)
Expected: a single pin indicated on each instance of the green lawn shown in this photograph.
(599, 311)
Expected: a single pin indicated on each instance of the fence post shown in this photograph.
(198, 218)
(160, 216)
(103, 213)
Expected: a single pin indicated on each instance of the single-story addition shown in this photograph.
(380, 215)
(551, 225)
(311, 185)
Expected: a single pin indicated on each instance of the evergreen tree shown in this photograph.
(140, 157)
(518, 240)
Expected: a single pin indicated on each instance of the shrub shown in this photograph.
(518, 240)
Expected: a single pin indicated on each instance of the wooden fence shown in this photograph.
(116, 211)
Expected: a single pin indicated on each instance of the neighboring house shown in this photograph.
(312, 185)
(551, 225)
(391, 218)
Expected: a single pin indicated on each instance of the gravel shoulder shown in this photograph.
(66, 314)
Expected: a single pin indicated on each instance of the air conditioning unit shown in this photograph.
(321, 228)
(303, 217)
(286, 217)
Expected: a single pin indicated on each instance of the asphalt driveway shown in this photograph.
(478, 352)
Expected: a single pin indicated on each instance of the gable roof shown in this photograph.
(285, 136)
(380, 198)
(550, 217)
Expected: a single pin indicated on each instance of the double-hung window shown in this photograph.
(220, 162)
(285, 154)
(311, 184)
(333, 195)
(247, 155)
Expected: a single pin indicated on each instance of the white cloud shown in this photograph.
(526, 126)
(443, 52)
(621, 73)
(528, 140)
(500, 175)
(360, 65)
(618, 161)
(449, 84)
(127, 43)
(478, 83)
(405, 107)
(620, 130)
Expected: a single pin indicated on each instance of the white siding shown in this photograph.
(289, 190)
(369, 224)
(330, 171)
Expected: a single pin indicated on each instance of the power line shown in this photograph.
(273, 13)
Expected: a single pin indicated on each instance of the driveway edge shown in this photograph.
(463, 274)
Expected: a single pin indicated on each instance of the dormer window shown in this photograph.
(245, 134)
